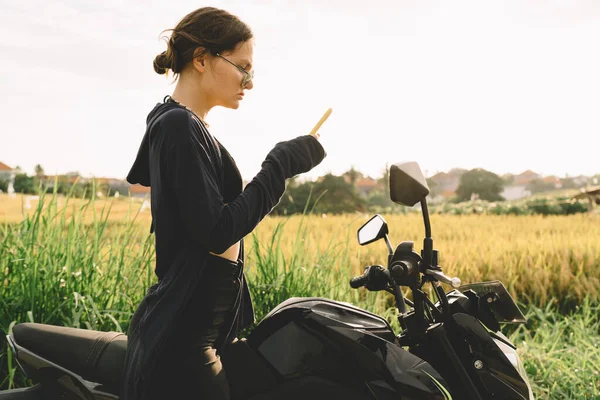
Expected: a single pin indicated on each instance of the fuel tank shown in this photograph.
(342, 344)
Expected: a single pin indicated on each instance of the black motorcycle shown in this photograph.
(323, 349)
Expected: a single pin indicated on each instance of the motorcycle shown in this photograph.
(325, 349)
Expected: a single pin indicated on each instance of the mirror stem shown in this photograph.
(389, 244)
(425, 212)
(428, 241)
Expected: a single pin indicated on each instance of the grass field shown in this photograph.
(88, 263)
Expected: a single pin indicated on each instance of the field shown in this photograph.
(88, 263)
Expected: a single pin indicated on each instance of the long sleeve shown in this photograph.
(264, 191)
(207, 220)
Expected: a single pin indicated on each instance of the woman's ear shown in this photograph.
(199, 59)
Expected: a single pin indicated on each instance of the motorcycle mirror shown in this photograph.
(374, 229)
(407, 184)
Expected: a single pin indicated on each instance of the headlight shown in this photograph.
(514, 359)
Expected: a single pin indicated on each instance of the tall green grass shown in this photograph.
(304, 272)
(59, 266)
(561, 353)
(56, 269)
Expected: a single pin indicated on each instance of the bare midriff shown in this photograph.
(231, 253)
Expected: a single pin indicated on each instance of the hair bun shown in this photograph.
(161, 63)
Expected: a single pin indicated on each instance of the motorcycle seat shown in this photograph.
(94, 355)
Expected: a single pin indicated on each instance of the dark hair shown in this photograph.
(214, 29)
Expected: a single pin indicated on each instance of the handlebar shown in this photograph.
(403, 268)
(374, 278)
(359, 281)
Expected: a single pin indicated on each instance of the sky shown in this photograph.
(501, 85)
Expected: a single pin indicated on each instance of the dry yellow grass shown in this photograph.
(535, 256)
(13, 208)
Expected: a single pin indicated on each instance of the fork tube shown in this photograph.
(421, 323)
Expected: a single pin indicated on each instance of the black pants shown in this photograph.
(192, 367)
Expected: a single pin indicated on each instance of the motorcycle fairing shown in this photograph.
(504, 307)
(498, 374)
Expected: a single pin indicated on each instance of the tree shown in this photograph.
(377, 200)
(479, 181)
(434, 187)
(338, 197)
(39, 171)
(458, 172)
(568, 183)
(62, 184)
(24, 184)
(384, 181)
(3, 185)
(334, 195)
(83, 190)
(353, 175)
(508, 179)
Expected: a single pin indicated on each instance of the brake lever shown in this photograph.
(440, 276)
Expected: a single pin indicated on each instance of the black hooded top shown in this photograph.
(198, 206)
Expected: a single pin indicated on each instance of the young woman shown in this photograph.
(200, 214)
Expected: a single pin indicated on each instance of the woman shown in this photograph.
(200, 214)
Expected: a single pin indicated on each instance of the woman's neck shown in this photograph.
(190, 95)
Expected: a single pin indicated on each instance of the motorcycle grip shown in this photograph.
(358, 281)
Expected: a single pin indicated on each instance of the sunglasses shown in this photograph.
(248, 76)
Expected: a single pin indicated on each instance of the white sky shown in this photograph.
(501, 85)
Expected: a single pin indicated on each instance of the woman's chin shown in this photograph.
(234, 104)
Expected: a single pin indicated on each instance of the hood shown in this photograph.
(140, 171)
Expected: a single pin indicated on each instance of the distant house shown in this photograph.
(581, 180)
(515, 192)
(446, 184)
(525, 178)
(71, 178)
(517, 188)
(113, 185)
(553, 180)
(6, 173)
(364, 186)
(138, 190)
